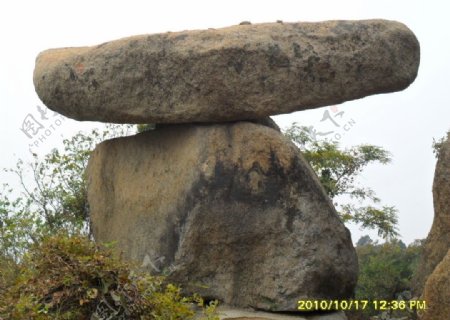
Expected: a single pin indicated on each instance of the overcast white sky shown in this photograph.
(404, 123)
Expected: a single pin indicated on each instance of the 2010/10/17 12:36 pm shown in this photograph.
(344, 305)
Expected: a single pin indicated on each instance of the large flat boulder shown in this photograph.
(438, 241)
(230, 211)
(236, 73)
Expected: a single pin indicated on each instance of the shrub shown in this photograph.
(74, 278)
(385, 270)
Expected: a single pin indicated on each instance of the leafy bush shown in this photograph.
(74, 278)
(52, 193)
(385, 270)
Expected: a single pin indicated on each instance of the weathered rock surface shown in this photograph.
(227, 313)
(236, 73)
(438, 240)
(437, 292)
(231, 211)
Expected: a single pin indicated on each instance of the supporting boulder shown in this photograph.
(230, 211)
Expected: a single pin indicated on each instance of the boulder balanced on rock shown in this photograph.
(236, 73)
(231, 211)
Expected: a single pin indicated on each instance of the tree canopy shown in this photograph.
(338, 170)
(385, 269)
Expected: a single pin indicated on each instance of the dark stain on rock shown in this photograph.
(94, 84)
(181, 37)
(72, 75)
(291, 213)
(330, 285)
(227, 197)
(297, 50)
(57, 94)
(238, 66)
(230, 183)
(277, 59)
(310, 68)
(237, 58)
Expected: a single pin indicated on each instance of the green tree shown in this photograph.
(52, 195)
(17, 225)
(386, 269)
(338, 170)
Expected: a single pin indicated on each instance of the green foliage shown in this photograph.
(73, 278)
(66, 276)
(383, 219)
(437, 144)
(53, 193)
(16, 226)
(338, 170)
(145, 127)
(385, 269)
(8, 273)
